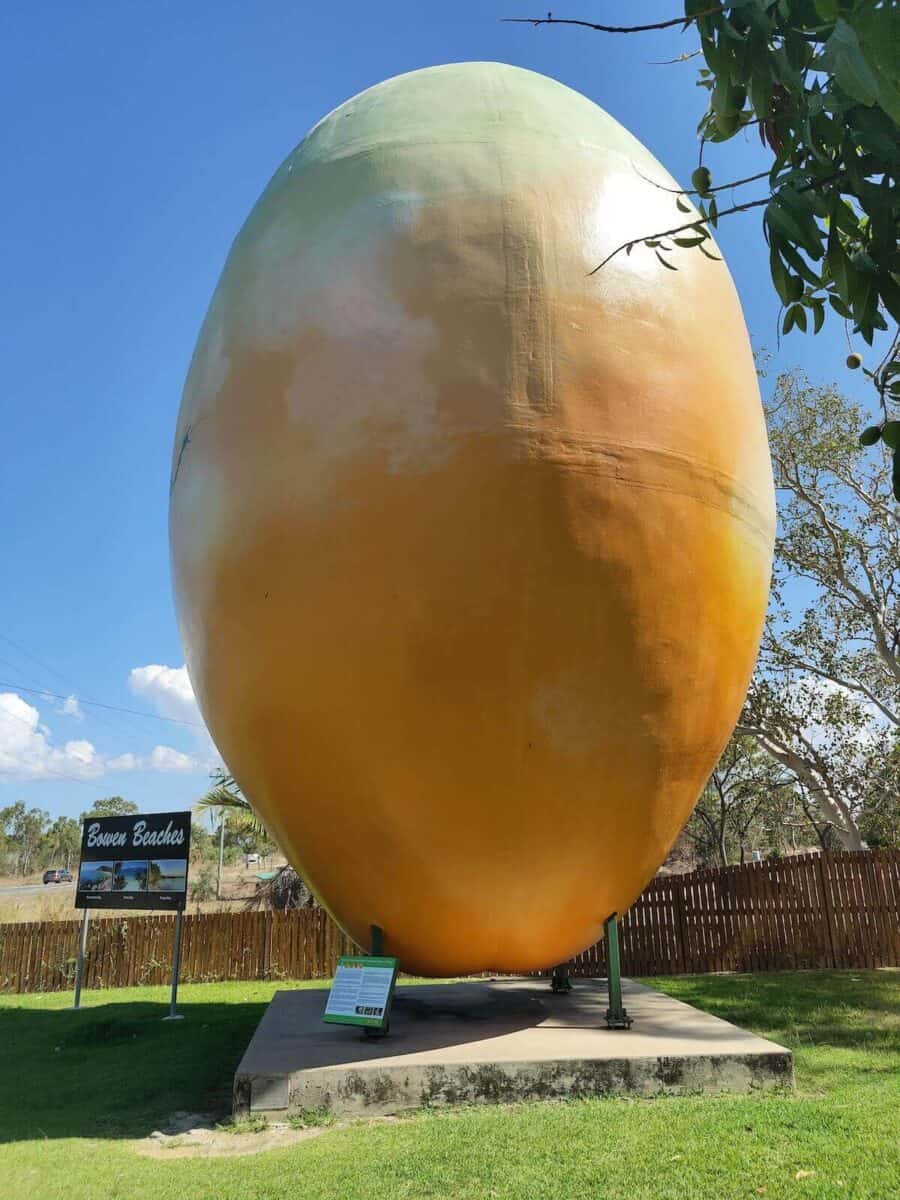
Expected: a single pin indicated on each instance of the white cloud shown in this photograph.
(71, 708)
(123, 762)
(27, 751)
(164, 758)
(169, 691)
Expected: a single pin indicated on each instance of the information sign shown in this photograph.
(362, 991)
(138, 861)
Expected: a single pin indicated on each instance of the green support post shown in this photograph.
(560, 983)
(376, 937)
(616, 1016)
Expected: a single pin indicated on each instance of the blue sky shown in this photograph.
(136, 138)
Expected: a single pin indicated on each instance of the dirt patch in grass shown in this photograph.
(197, 1135)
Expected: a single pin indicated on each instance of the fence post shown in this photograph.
(678, 898)
(826, 907)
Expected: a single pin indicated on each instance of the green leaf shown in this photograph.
(801, 206)
(667, 265)
(890, 296)
(793, 259)
(789, 317)
(870, 436)
(818, 316)
(878, 30)
(890, 434)
(760, 88)
(709, 253)
(840, 307)
(682, 205)
(802, 232)
(843, 57)
(827, 9)
(842, 273)
(780, 277)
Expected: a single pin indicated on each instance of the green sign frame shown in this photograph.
(377, 987)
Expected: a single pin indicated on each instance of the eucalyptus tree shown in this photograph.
(825, 699)
(746, 801)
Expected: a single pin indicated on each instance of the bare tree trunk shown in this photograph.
(826, 798)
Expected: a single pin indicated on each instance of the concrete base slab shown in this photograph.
(495, 1041)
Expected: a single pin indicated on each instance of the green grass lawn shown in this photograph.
(75, 1087)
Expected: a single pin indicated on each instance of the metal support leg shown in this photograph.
(616, 1016)
(79, 965)
(559, 980)
(377, 940)
(176, 967)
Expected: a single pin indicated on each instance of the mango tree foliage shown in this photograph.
(819, 82)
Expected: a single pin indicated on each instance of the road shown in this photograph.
(32, 887)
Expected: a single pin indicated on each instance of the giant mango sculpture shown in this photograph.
(471, 546)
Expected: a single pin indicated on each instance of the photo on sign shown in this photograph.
(96, 877)
(130, 876)
(167, 874)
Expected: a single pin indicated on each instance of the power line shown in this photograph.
(116, 723)
(46, 771)
(134, 712)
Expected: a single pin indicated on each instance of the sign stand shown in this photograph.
(79, 965)
(176, 967)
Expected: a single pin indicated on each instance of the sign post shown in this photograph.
(176, 967)
(79, 964)
(134, 862)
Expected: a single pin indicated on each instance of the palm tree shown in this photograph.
(225, 795)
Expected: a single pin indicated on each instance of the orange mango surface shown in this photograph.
(471, 547)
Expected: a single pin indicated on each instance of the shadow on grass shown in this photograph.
(117, 1070)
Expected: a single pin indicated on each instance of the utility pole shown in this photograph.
(221, 853)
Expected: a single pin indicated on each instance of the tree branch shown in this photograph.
(677, 229)
(699, 222)
(551, 20)
(722, 187)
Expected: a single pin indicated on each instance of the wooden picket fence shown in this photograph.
(813, 910)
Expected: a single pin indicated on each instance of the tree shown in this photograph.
(880, 821)
(61, 842)
(825, 700)
(111, 806)
(22, 829)
(226, 796)
(747, 795)
(238, 824)
(820, 80)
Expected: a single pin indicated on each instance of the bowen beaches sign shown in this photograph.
(137, 862)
